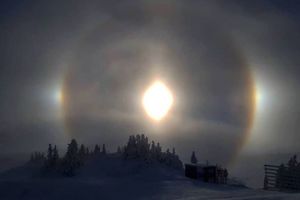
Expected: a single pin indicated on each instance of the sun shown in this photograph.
(157, 100)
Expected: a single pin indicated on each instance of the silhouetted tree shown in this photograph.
(82, 154)
(97, 149)
(55, 156)
(71, 160)
(87, 151)
(142, 147)
(168, 151)
(50, 163)
(130, 150)
(158, 153)
(50, 153)
(37, 157)
(103, 149)
(293, 162)
(193, 158)
(153, 148)
(31, 157)
(138, 147)
(119, 150)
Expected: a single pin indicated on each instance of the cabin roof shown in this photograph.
(200, 165)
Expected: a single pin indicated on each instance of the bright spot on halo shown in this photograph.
(157, 100)
(58, 96)
(259, 99)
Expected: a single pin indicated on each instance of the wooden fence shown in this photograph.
(281, 178)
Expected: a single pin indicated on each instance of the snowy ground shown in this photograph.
(128, 189)
(118, 180)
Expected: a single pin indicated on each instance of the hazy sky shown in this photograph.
(215, 56)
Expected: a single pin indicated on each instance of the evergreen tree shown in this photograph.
(71, 160)
(168, 151)
(82, 150)
(168, 159)
(144, 147)
(41, 156)
(31, 157)
(193, 158)
(173, 151)
(82, 154)
(293, 162)
(87, 151)
(130, 150)
(153, 150)
(38, 158)
(119, 150)
(158, 153)
(55, 157)
(103, 149)
(49, 164)
(138, 146)
(50, 153)
(97, 149)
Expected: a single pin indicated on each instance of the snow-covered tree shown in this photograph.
(52, 158)
(131, 148)
(87, 151)
(158, 152)
(37, 157)
(119, 150)
(82, 150)
(138, 147)
(142, 147)
(103, 149)
(193, 158)
(31, 157)
(152, 151)
(71, 160)
(82, 154)
(293, 162)
(55, 157)
(97, 149)
(50, 153)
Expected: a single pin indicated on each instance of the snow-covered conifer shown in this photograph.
(193, 158)
(103, 149)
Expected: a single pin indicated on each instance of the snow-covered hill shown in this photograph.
(113, 178)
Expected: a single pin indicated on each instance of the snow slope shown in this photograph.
(114, 178)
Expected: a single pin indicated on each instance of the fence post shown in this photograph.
(266, 182)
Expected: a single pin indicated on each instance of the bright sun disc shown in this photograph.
(157, 100)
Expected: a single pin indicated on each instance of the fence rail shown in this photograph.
(281, 178)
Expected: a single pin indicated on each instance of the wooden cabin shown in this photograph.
(206, 173)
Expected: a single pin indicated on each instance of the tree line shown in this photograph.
(73, 159)
(138, 147)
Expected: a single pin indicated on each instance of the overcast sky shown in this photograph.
(101, 56)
